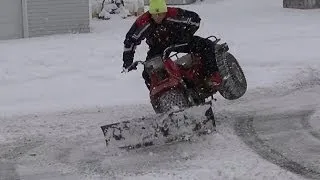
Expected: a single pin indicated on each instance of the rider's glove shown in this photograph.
(127, 59)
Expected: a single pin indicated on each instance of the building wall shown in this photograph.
(301, 4)
(46, 17)
(11, 19)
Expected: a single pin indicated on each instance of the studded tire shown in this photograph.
(171, 99)
(234, 83)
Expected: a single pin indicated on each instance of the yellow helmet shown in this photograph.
(157, 6)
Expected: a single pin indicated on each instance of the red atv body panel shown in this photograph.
(176, 74)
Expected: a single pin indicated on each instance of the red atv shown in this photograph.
(177, 85)
(181, 83)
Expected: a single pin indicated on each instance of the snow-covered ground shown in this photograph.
(57, 91)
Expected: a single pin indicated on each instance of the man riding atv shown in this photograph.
(175, 86)
(164, 26)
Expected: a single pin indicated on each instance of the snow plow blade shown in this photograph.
(160, 129)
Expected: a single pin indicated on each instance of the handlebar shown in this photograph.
(165, 55)
(172, 48)
(132, 66)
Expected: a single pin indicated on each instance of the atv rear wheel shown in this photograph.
(234, 83)
(169, 100)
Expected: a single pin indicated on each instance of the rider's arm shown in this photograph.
(188, 20)
(134, 37)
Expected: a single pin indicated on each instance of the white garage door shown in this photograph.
(10, 19)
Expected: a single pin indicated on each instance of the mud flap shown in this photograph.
(178, 125)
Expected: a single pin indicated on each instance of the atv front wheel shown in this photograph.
(234, 83)
(169, 100)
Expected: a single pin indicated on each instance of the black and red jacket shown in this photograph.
(178, 26)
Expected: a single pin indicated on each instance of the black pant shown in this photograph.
(199, 45)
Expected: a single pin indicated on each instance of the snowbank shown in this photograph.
(131, 7)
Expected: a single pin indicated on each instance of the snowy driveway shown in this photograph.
(57, 91)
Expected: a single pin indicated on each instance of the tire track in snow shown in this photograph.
(245, 129)
(306, 124)
(13, 151)
(8, 171)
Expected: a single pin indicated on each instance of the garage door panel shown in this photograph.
(11, 19)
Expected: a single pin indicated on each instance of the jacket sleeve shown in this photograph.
(189, 21)
(133, 38)
(192, 19)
